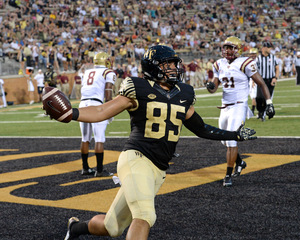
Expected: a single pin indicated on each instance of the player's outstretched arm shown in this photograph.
(196, 125)
(104, 111)
(58, 107)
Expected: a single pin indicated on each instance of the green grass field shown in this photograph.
(29, 120)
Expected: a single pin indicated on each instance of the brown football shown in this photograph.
(57, 105)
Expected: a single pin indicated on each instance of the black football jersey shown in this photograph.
(157, 120)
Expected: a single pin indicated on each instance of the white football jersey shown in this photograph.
(234, 78)
(94, 80)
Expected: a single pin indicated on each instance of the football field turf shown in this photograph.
(41, 187)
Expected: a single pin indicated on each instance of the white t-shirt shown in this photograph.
(40, 79)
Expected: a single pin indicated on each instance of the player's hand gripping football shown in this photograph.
(57, 105)
(245, 133)
(270, 111)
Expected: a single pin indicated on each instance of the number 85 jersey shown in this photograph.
(157, 120)
(234, 78)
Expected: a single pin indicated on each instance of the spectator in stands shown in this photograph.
(58, 28)
(21, 58)
(134, 71)
(28, 55)
(43, 57)
(35, 54)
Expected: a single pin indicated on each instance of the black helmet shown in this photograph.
(152, 59)
(50, 66)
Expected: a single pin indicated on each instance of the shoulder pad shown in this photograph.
(127, 88)
(216, 66)
(245, 63)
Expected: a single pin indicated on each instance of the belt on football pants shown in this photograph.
(94, 99)
(229, 104)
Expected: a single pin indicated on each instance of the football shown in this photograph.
(56, 104)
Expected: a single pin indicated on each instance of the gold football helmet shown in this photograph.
(102, 58)
(253, 53)
(232, 48)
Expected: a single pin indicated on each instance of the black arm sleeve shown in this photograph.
(196, 125)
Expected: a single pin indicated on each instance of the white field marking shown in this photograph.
(218, 94)
(127, 120)
(79, 137)
(117, 132)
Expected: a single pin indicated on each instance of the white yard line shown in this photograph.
(126, 120)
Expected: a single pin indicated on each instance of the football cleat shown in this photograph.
(227, 181)
(238, 168)
(71, 221)
(104, 173)
(89, 171)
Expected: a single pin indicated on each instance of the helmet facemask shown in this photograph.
(230, 52)
(169, 73)
(232, 48)
(161, 64)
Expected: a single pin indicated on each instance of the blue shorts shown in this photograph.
(40, 90)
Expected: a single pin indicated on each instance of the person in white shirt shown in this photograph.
(30, 85)
(233, 72)
(287, 61)
(97, 86)
(134, 71)
(39, 77)
(3, 102)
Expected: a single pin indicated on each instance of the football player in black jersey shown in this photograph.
(158, 104)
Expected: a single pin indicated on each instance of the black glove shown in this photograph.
(210, 85)
(245, 133)
(270, 111)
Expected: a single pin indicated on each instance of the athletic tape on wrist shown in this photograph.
(75, 113)
(269, 101)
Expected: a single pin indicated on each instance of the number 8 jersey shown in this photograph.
(157, 120)
(234, 78)
(94, 80)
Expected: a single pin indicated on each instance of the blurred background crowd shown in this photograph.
(68, 33)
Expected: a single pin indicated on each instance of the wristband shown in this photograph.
(269, 101)
(75, 113)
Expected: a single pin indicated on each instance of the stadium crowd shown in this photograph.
(68, 33)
